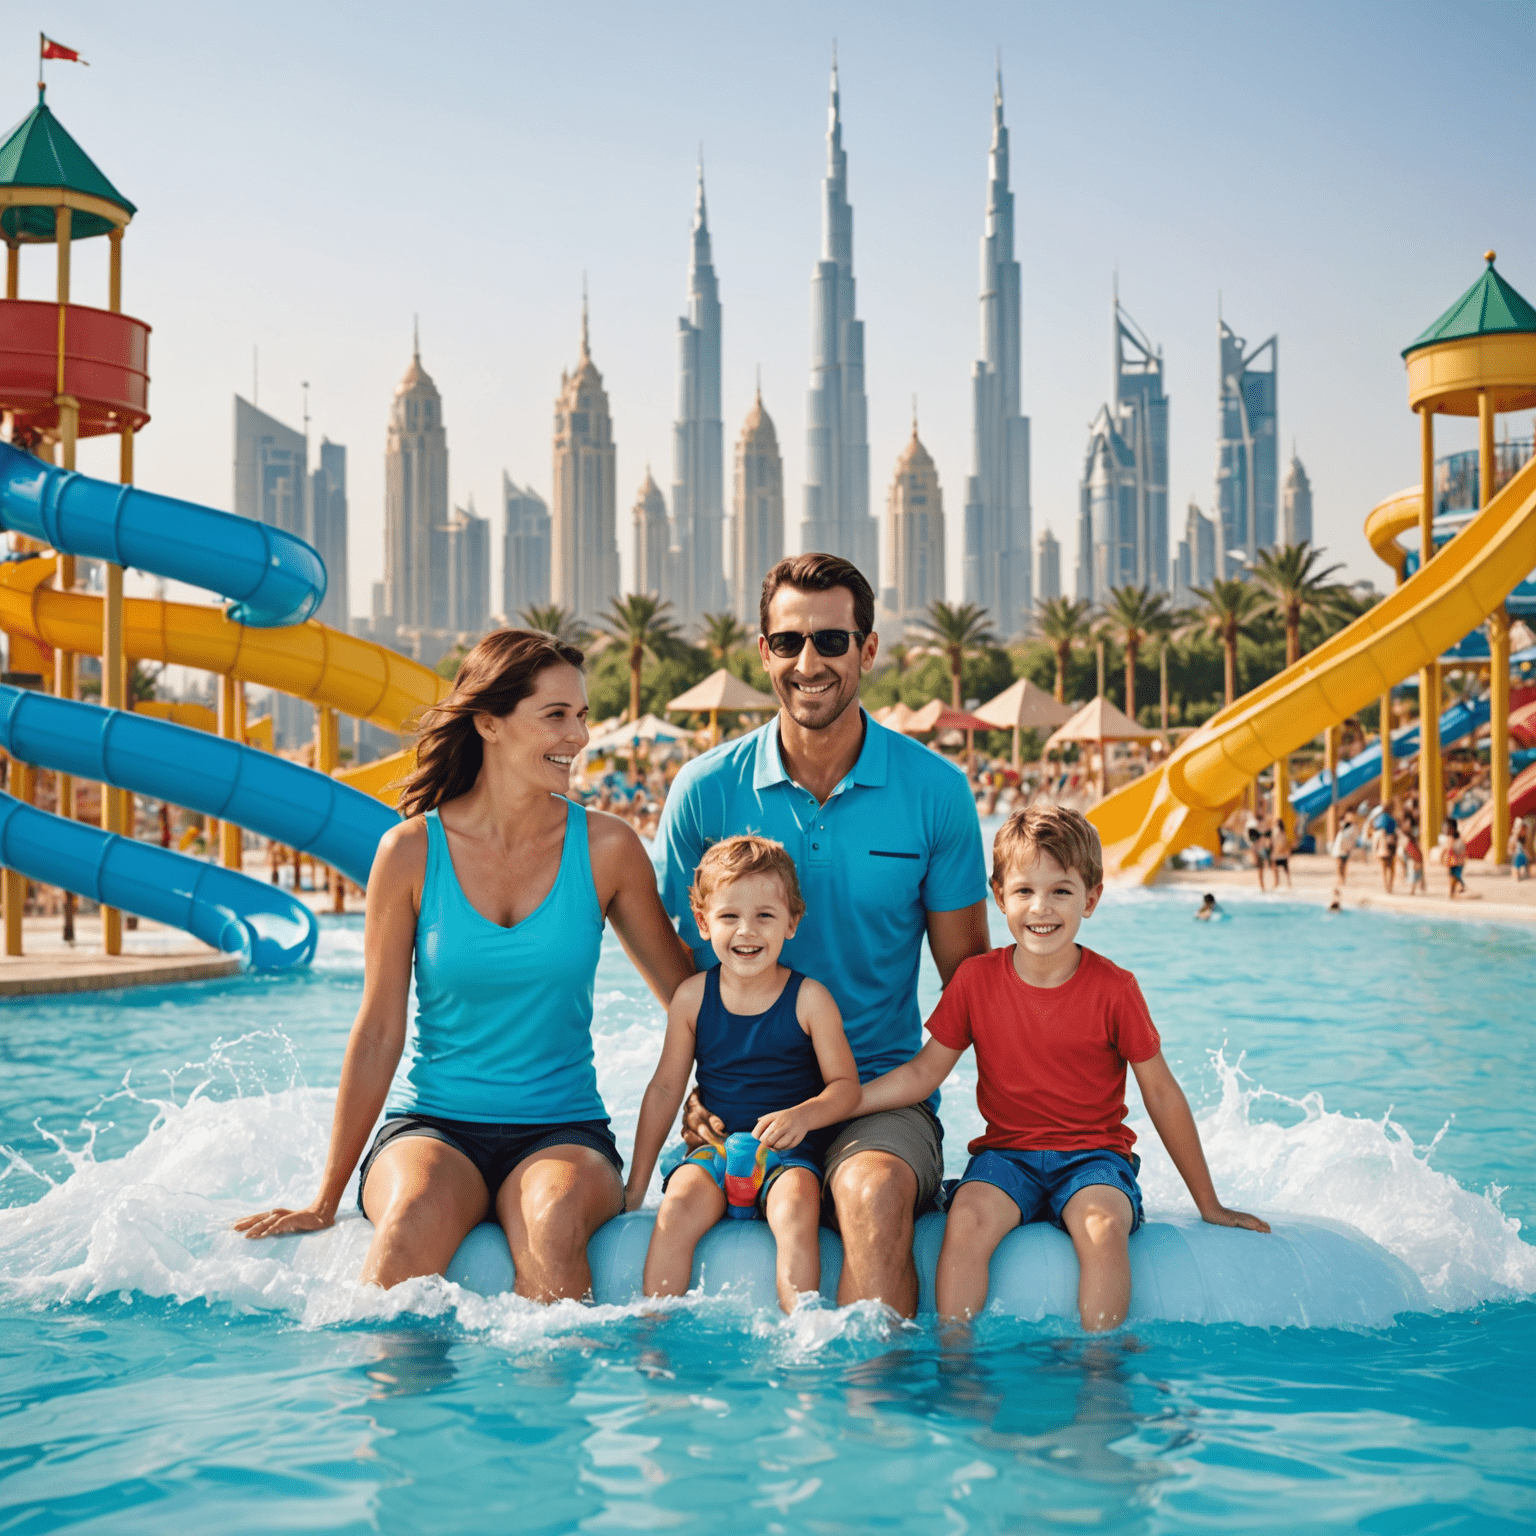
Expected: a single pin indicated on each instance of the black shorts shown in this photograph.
(494, 1149)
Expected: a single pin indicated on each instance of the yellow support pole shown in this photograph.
(1431, 778)
(1386, 748)
(230, 839)
(114, 817)
(15, 883)
(1331, 763)
(115, 272)
(12, 271)
(1498, 649)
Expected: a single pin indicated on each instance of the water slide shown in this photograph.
(1185, 799)
(274, 582)
(1477, 830)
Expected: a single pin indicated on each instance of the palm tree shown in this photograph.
(1293, 587)
(1061, 623)
(642, 622)
(1131, 616)
(722, 634)
(960, 630)
(560, 622)
(1228, 610)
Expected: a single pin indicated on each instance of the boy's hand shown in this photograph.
(783, 1129)
(1220, 1216)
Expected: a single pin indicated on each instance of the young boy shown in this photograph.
(1054, 1026)
(761, 1037)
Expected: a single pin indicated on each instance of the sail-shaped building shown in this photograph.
(998, 544)
(837, 516)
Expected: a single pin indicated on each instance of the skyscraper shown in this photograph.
(524, 550)
(328, 529)
(464, 576)
(653, 540)
(998, 544)
(698, 472)
(1048, 581)
(270, 470)
(837, 516)
(415, 497)
(1247, 452)
(1123, 518)
(914, 533)
(1195, 561)
(1296, 505)
(758, 525)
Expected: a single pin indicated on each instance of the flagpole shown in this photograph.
(42, 43)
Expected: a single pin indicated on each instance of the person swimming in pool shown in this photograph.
(495, 887)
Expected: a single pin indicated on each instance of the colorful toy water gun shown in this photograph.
(740, 1165)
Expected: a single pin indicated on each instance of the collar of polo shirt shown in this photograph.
(768, 769)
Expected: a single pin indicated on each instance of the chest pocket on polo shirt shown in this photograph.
(899, 871)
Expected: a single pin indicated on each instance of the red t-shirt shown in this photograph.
(1050, 1061)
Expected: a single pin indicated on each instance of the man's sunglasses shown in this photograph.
(787, 643)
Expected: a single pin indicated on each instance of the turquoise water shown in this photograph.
(159, 1373)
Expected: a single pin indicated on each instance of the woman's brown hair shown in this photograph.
(492, 680)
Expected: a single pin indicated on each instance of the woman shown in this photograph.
(498, 886)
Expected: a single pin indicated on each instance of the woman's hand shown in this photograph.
(784, 1128)
(633, 1198)
(1221, 1216)
(280, 1222)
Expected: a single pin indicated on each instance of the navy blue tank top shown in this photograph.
(749, 1065)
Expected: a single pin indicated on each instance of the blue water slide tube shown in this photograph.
(272, 577)
(1311, 799)
(228, 910)
(271, 796)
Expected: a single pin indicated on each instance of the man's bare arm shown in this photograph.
(956, 936)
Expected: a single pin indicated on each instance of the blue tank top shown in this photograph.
(748, 1065)
(504, 1015)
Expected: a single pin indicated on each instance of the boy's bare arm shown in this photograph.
(664, 1092)
(912, 1081)
(839, 1097)
(1170, 1115)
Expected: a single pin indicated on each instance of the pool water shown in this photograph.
(160, 1373)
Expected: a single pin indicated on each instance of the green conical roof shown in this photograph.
(1490, 305)
(38, 152)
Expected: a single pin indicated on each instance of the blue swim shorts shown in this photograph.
(1041, 1183)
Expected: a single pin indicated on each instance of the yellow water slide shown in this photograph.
(310, 660)
(1184, 801)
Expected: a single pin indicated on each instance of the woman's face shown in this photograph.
(539, 741)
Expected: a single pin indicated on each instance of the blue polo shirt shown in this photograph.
(897, 839)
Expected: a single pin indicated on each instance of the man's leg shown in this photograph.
(549, 1206)
(980, 1217)
(1099, 1219)
(875, 1194)
(693, 1203)
(793, 1209)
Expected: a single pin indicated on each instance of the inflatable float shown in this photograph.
(1308, 1273)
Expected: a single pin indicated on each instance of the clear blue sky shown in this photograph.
(309, 176)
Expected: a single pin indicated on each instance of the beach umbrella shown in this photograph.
(1024, 706)
(1099, 721)
(722, 691)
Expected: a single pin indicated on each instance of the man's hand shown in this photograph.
(281, 1221)
(1220, 1216)
(783, 1129)
(699, 1126)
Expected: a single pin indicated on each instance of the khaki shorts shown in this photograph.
(913, 1134)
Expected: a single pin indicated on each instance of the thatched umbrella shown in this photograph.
(1099, 721)
(721, 691)
(1024, 707)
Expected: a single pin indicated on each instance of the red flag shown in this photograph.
(53, 50)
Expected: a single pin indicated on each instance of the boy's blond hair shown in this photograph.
(1068, 836)
(733, 858)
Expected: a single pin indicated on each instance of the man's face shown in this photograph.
(815, 689)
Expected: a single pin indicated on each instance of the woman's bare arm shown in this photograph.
(378, 1032)
(626, 887)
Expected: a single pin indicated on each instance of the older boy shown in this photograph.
(1054, 1025)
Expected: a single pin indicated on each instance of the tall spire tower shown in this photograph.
(698, 468)
(997, 514)
(837, 516)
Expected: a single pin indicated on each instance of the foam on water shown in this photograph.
(156, 1222)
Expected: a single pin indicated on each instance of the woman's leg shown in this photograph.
(549, 1206)
(692, 1204)
(422, 1197)
(793, 1209)
(1098, 1218)
(980, 1217)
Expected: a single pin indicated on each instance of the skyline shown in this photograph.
(328, 298)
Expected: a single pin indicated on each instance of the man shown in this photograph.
(885, 836)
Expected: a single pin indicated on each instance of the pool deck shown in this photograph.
(1493, 896)
(153, 955)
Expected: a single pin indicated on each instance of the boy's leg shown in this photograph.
(1098, 1218)
(980, 1217)
(693, 1203)
(793, 1209)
